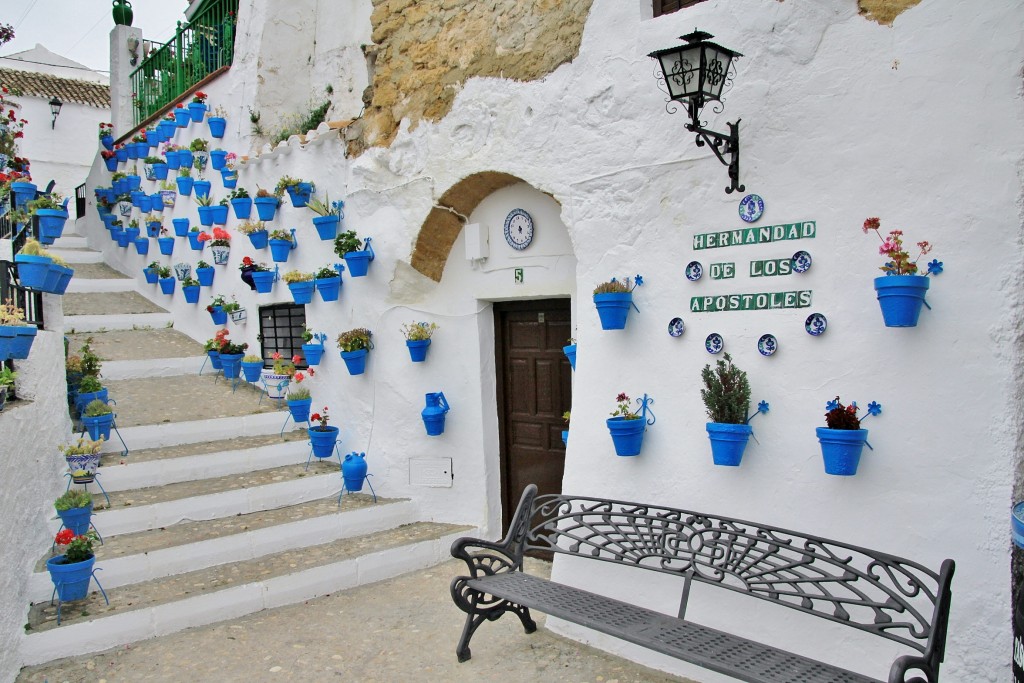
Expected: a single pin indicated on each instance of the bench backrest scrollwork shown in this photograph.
(876, 592)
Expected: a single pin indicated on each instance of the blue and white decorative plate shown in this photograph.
(694, 271)
(676, 327)
(714, 343)
(767, 345)
(751, 208)
(816, 324)
(801, 262)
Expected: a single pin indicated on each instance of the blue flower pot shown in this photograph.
(160, 171)
(217, 125)
(418, 349)
(196, 111)
(613, 309)
(108, 142)
(167, 285)
(202, 188)
(184, 185)
(145, 203)
(65, 279)
(166, 245)
(21, 344)
(728, 442)
(76, 519)
(627, 435)
(70, 580)
(251, 370)
(150, 275)
(98, 426)
(570, 353)
(182, 117)
(205, 276)
(121, 154)
(219, 316)
(191, 294)
(214, 357)
(206, 215)
(302, 292)
(242, 207)
(300, 194)
(173, 160)
(152, 138)
(353, 471)
(299, 409)
(263, 280)
(358, 262)
(153, 229)
(180, 227)
(313, 353)
(32, 270)
(23, 191)
(901, 298)
(220, 214)
(841, 449)
(266, 207)
(280, 250)
(329, 288)
(185, 158)
(258, 239)
(193, 240)
(229, 178)
(323, 441)
(218, 158)
(231, 364)
(52, 278)
(134, 182)
(327, 226)
(111, 163)
(355, 361)
(142, 246)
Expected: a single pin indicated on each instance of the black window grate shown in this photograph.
(281, 332)
(669, 6)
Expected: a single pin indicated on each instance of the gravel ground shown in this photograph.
(137, 344)
(108, 303)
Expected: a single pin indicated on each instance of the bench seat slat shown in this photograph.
(744, 659)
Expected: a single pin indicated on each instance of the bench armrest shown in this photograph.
(898, 671)
(503, 555)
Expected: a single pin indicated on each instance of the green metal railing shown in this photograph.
(198, 48)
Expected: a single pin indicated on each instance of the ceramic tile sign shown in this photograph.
(762, 235)
(757, 301)
(723, 271)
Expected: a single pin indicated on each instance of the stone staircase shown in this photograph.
(213, 512)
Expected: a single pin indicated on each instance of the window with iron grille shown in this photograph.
(281, 331)
(668, 6)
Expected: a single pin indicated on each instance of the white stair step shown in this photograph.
(126, 321)
(83, 285)
(214, 429)
(70, 241)
(153, 367)
(73, 256)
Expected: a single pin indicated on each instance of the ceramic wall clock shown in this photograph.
(518, 229)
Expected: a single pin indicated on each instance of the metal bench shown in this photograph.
(875, 592)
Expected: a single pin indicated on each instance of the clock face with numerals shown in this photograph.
(518, 229)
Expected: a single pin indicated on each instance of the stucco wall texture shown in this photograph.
(844, 116)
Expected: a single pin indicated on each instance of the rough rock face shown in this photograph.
(885, 11)
(424, 51)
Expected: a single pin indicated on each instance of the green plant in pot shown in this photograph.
(355, 345)
(7, 378)
(417, 339)
(726, 396)
(843, 440)
(72, 570)
(74, 507)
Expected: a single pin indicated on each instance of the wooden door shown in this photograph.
(534, 390)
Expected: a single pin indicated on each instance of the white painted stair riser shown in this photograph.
(196, 431)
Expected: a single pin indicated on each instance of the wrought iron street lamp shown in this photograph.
(55, 105)
(695, 74)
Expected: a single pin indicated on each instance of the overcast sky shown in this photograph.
(80, 29)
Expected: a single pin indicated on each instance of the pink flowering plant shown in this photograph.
(892, 248)
(622, 408)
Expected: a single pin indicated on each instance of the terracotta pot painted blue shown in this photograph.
(108, 220)
(841, 449)
(229, 178)
(168, 128)
(85, 398)
(142, 246)
(166, 245)
(214, 357)
(21, 344)
(323, 440)
(51, 223)
(191, 294)
(266, 207)
(263, 280)
(613, 309)
(358, 262)
(173, 160)
(327, 226)
(23, 191)
(901, 298)
(329, 287)
(156, 200)
(124, 238)
(313, 353)
(98, 426)
(299, 408)
(160, 171)
(32, 270)
(231, 364)
(217, 125)
(52, 278)
(258, 239)
(565, 437)
(220, 214)
(134, 182)
(206, 215)
(355, 361)
(205, 276)
(242, 206)
(353, 471)
(218, 158)
(185, 158)
(153, 228)
(180, 226)
(108, 142)
(434, 412)
(65, 279)
(196, 110)
(418, 349)
(728, 442)
(121, 154)
(219, 316)
(570, 353)
(150, 275)
(136, 198)
(300, 194)
(251, 370)
(152, 138)
(70, 580)
(627, 435)
(76, 519)
(167, 285)
(184, 185)
(193, 240)
(111, 163)
(182, 117)
(280, 250)
(302, 292)
(202, 188)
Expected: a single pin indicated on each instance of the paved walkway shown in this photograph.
(404, 629)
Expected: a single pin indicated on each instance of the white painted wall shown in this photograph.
(31, 472)
(842, 119)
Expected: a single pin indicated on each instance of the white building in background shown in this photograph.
(64, 149)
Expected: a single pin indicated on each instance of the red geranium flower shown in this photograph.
(65, 537)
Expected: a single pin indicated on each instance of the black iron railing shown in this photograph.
(31, 302)
(80, 201)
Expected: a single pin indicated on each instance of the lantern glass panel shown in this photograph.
(716, 70)
(681, 68)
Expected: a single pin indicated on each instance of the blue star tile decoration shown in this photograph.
(934, 267)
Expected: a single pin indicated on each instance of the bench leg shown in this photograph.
(529, 625)
(480, 608)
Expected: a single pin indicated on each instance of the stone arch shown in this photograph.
(444, 222)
